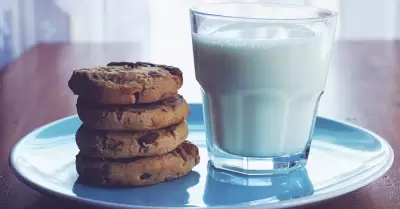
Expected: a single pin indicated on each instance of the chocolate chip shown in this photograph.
(179, 151)
(144, 149)
(145, 176)
(154, 74)
(172, 70)
(171, 130)
(148, 139)
(137, 97)
(145, 64)
(129, 64)
(104, 115)
(188, 147)
(164, 110)
(171, 101)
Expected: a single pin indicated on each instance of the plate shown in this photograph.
(343, 158)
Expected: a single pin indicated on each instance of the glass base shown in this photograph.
(258, 166)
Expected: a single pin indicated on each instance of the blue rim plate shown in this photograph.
(343, 158)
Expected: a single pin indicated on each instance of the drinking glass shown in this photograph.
(262, 69)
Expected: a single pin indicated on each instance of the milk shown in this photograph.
(261, 86)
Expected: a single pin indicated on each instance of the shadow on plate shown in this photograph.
(173, 193)
(225, 188)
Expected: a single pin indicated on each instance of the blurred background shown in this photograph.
(26, 23)
(158, 30)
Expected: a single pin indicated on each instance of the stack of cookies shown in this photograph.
(134, 125)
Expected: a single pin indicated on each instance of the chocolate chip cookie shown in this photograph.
(136, 117)
(126, 83)
(123, 144)
(139, 171)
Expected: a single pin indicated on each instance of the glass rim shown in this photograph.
(329, 13)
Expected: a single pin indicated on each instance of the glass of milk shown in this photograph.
(262, 69)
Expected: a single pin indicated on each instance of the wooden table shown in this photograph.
(363, 88)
